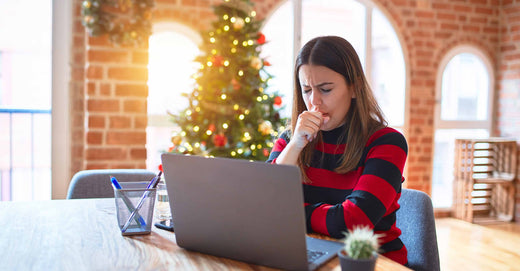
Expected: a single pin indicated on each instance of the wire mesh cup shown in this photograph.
(134, 207)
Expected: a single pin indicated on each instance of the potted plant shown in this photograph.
(360, 250)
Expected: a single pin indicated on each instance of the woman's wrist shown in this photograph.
(290, 154)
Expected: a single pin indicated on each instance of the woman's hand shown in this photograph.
(307, 127)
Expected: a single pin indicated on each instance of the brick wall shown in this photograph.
(508, 105)
(109, 104)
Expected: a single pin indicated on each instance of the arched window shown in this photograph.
(463, 110)
(362, 24)
(172, 50)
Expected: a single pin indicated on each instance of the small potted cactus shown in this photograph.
(360, 250)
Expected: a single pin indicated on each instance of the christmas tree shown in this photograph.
(230, 113)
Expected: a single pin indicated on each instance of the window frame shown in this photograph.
(464, 124)
(60, 117)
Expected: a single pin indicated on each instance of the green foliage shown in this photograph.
(110, 17)
(361, 243)
(230, 114)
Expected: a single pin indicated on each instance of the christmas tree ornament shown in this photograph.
(266, 127)
(261, 38)
(256, 62)
(238, 24)
(219, 140)
(277, 101)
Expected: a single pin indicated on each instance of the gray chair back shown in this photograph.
(416, 220)
(96, 183)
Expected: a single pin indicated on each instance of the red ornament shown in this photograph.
(217, 60)
(160, 167)
(261, 38)
(267, 63)
(266, 152)
(277, 100)
(235, 83)
(220, 140)
(211, 127)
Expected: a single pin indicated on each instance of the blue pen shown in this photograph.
(127, 201)
(153, 184)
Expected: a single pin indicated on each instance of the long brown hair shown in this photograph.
(364, 116)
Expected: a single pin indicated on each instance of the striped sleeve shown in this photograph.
(278, 147)
(375, 192)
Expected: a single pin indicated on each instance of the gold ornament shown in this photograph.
(87, 4)
(266, 127)
(176, 140)
(256, 63)
(238, 24)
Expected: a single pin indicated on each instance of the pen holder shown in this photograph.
(134, 205)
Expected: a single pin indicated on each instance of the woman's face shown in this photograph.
(326, 91)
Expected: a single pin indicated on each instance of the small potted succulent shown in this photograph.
(360, 250)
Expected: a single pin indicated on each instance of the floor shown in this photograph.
(467, 246)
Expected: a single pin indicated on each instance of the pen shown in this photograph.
(127, 201)
(153, 184)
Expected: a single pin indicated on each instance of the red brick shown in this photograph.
(135, 106)
(126, 138)
(103, 105)
(486, 11)
(94, 137)
(117, 122)
(138, 153)
(140, 122)
(423, 14)
(446, 16)
(461, 8)
(479, 2)
(105, 153)
(96, 121)
(140, 57)
(132, 90)
(105, 56)
(128, 74)
(471, 28)
(94, 72)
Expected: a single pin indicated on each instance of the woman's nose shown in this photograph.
(315, 98)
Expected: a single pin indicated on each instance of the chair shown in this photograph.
(417, 223)
(96, 183)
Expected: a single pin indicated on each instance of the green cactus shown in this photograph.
(361, 243)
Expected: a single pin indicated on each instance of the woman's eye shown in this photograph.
(306, 90)
(325, 90)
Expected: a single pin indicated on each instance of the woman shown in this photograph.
(351, 161)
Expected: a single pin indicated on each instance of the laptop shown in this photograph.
(247, 211)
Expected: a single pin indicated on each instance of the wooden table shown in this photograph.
(83, 235)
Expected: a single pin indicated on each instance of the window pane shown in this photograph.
(170, 69)
(465, 88)
(25, 49)
(388, 72)
(278, 50)
(443, 161)
(335, 17)
(171, 66)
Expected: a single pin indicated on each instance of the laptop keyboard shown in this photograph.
(312, 255)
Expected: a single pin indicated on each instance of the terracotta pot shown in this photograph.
(349, 264)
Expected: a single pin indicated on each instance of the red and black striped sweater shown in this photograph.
(365, 196)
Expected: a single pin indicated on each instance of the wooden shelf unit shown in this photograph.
(484, 183)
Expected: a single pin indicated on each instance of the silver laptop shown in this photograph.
(247, 211)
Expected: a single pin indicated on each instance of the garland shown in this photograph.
(111, 17)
